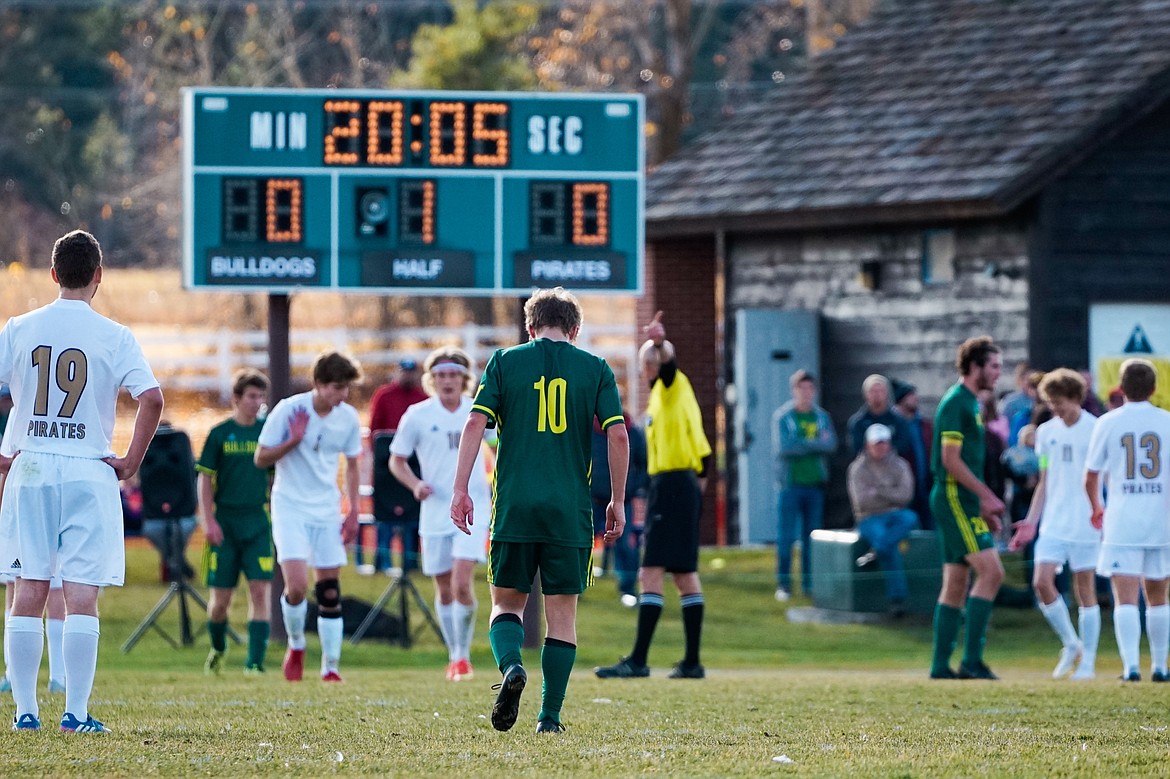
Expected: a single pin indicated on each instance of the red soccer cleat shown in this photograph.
(453, 671)
(331, 676)
(294, 665)
(463, 670)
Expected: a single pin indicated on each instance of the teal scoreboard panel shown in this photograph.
(468, 193)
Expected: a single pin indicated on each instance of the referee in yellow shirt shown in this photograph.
(677, 455)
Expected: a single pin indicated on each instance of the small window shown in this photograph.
(938, 256)
(870, 276)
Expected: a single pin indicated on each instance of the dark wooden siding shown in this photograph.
(1102, 236)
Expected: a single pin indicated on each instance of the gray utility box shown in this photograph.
(838, 584)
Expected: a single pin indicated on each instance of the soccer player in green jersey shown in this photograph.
(967, 513)
(233, 494)
(543, 397)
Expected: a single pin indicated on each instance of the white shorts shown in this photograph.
(439, 553)
(318, 544)
(1149, 562)
(62, 516)
(1080, 555)
(54, 583)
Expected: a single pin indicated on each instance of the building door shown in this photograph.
(769, 346)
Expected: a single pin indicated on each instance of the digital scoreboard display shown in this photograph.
(425, 192)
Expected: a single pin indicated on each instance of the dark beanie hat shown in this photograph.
(901, 389)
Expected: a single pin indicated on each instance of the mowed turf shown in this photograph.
(780, 699)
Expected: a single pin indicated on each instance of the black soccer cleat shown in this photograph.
(623, 669)
(945, 673)
(507, 706)
(1159, 676)
(683, 670)
(549, 725)
(1132, 676)
(976, 671)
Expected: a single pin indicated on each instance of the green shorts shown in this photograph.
(564, 570)
(961, 529)
(252, 557)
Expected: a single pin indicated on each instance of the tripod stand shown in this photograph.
(180, 589)
(402, 587)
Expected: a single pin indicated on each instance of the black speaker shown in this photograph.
(167, 476)
(393, 502)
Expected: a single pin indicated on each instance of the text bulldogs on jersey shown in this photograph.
(42, 429)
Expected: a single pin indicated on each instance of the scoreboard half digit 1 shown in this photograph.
(461, 193)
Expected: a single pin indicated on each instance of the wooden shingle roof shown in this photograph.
(930, 109)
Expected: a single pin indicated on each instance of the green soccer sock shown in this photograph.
(946, 632)
(556, 662)
(257, 642)
(978, 615)
(218, 633)
(506, 636)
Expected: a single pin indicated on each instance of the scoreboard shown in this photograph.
(467, 193)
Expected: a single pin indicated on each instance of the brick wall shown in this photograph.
(680, 282)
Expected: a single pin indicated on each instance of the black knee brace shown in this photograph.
(329, 597)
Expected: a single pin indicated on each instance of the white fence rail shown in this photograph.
(205, 359)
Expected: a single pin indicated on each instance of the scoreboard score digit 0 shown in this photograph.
(467, 193)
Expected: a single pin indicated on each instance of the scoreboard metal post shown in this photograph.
(463, 193)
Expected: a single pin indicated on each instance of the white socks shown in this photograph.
(1158, 634)
(55, 630)
(79, 646)
(330, 631)
(1090, 619)
(1057, 615)
(445, 612)
(25, 637)
(294, 622)
(464, 618)
(1127, 628)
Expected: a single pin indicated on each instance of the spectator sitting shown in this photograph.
(881, 487)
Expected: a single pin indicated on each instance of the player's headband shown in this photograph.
(450, 366)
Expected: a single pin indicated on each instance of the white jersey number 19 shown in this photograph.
(71, 371)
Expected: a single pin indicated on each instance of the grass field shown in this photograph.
(833, 700)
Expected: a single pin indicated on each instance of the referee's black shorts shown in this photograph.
(672, 522)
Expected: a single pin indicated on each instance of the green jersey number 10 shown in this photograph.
(552, 405)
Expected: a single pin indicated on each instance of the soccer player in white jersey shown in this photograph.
(1130, 446)
(1061, 510)
(431, 429)
(304, 437)
(61, 511)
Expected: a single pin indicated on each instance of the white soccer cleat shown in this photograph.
(1068, 660)
(782, 595)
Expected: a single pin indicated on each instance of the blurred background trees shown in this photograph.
(90, 136)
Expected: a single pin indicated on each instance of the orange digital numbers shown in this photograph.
(282, 211)
(590, 213)
(448, 133)
(497, 137)
(342, 138)
(384, 143)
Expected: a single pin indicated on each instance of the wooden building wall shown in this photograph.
(1103, 235)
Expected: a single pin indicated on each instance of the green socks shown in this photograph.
(556, 662)
(218, 633)
(946, 632)
(978, 615)
(257, 642)
(506, 635)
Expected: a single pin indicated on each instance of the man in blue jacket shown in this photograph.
(802, 438)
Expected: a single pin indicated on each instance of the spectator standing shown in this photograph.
(803, 438)
(881, 487)
(921, 431)
(627, 551)
(876, 409)
(169, 498)
(1019, 398)
(387, 406)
